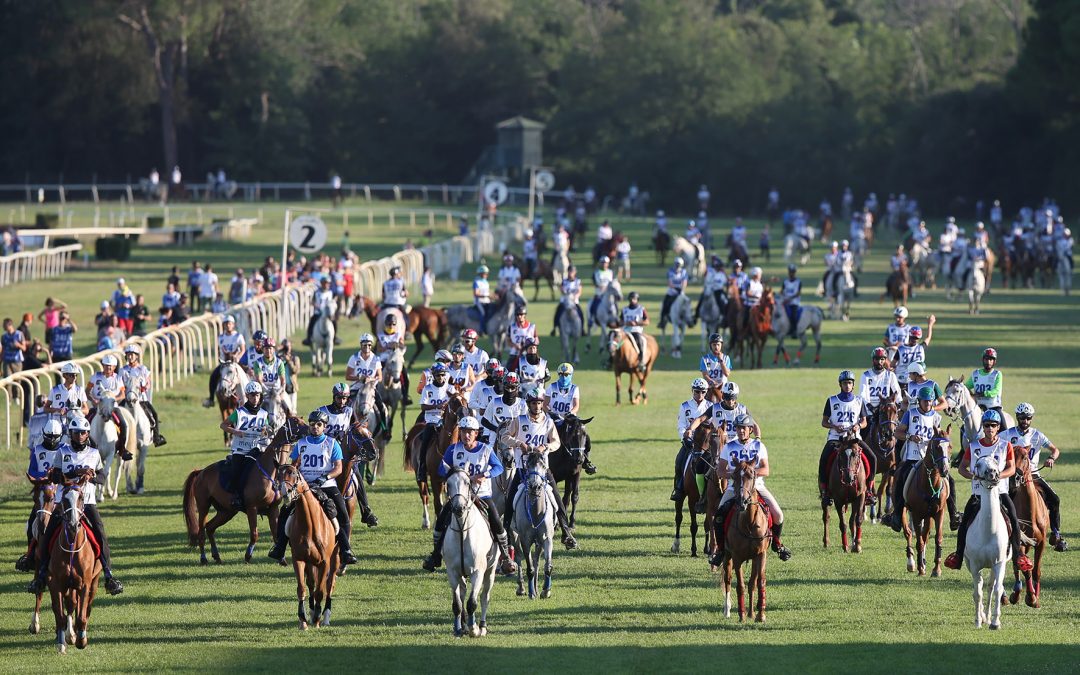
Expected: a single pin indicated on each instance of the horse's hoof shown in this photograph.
(1031, 601)
(474, 631)
(995, 626)
(936, 572)
(922, 571)
(283, 563)
(80, 643)
(61, 648)
(520, 591)
(760, 619)
(303, 625)
(1013, 599)
(483, 631)
(545, 594)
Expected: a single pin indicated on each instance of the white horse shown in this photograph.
(104, 435)
(987, 544)
(276, 404)
(605, 313)
(976, 287)
(923, 265)
(570, 331)
(534, 526)
(560, 261)
(143, 432)
(796, 249)
(693, 257)
(840, 303)
(681, 315)
(363, 406)
(322, 346)
(1065, 273)
(391, 390)
(858, 251)
(711, 319)
(471, 556)
(961, 404)
(810, 320)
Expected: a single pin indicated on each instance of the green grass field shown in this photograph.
(622, 602)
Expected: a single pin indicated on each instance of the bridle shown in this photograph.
(746, 474)
(460, 506)
(291, 490)
(73, 522)
(577, 434)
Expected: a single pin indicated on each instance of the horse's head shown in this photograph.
(937, 452)
(71, 499)
(291, 483)
(358, 443)
(615, 338)
(614, 290)
(459, 493)
(703, 439)
(768, 298)
(290, 431)
(986, 472)
(887, 417)
(1023, 464)
(536, 472)
(575, 437)
(954, 396)
(744, 476)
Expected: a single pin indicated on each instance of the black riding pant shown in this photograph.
(511, 494)
(972, 508)
(427, 437)
(495, 521)
(665, 309)
(1053, 502)
(215, 377)
(93, 519)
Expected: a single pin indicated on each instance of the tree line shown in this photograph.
(948, 100)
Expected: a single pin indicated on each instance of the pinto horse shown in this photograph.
(1034, 522)
(203, 489)
(747, 540)
(430, 483)
(847, 487)
(925, 495)
(880, 437)
(313, 546)
(74, 570)
(624, 359)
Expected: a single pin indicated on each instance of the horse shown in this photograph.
(322, 346)
(430, 323)
(560, 262)
(313, 547)
(230, 390)
(840, 303)
(809, 319)
(747, 539)
(796, 249)
(391, 389)
(681, 315)
(976, 287)
(898, 286)
(734, 319)
(703, 444)
(604, 313)
(370, 308)
(74, 570)
(922, 267)
(737, 251)
(880, 437)
(961, 406)
(42, 494)
(847, 487)
(712, 319)
(357, 453)
(925, 495)
(541, 271)
(460, 317)
(624, 359)
(759, 327)
(106, 435)
(661, 243)
(142, 432)
(203, 489)
(566, 462)
(693, 257)
(987, 545)
(470, 554)
(1034, 523)
(362, 402)
(570, 331)
(431, 483)
(534, 525)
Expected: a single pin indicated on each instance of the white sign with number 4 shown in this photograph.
(307, 234)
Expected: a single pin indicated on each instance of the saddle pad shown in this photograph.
(90, 537)
(288, 526)
(764, 505)
(832, 461)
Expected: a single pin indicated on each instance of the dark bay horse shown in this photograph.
(661, 243)
(565, 463)
(925, 497)
(203, 489)
(847, 487)
(747, 540)
(704, 445)
(880, 436)
(541, 271)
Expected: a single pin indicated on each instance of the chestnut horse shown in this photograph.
(430, 323)
(759, 327)
(1034, 523)
(313, 546)
(747, 539)
(925, 497)
(357, 448)
(880, 437)
(430, 483)
(847, 487)
(74, 570)
(202, 489)
(624, 359)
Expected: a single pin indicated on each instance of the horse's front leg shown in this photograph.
(253, 532)
(825, 526)
(618, 388)
(843, 527)
(220, 518)
(741, 589)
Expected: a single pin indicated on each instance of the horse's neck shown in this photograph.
(989, 520)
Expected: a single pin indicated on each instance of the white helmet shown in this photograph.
(469, 422)
(53, 428)
(69, 369)
(660, 213)
(78, 424)
(699, 384)
(110, 360)
(916, 369)
(368, 338)
(900, 312)
(730, 390)
(133, 349)
(528, 232)
(1025, 410)
(253, 388)
(755, 271)
(229, 318)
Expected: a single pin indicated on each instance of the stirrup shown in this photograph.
(783, 552)
(1061, 545)
(113, 586)
(36, 585)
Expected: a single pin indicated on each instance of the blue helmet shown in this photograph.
(992, 416)
(439, 368)
(846, 375)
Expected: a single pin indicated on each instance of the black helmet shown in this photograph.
(633, 296)
(318, 416)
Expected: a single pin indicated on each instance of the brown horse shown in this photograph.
(541, 272)
(897, 286)
(355, 449)
(202, 489)
(847, 487)
(74, 570)
(925, 495)
(880, 437)
(624, 359)
(759, 327)
(661, 243)
(313, 546)
(747, 539)
(430, 323)
(702, 445)
(1034, 523)
(370, 308)
(431, 483)
(42, 494)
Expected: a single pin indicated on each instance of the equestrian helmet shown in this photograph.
(253, 388)
(900, 312)
(660, 213)
(566, 369)
(879, 353)
(744, 420)
(492, 364)
(439, 369)
(604, 259)
(916, 332)
(990, 353)
(269, 342)
(679, 262)
(521, 310)
(228, 318)
(458, 348)
(483, 269)
(730, 390)
(497, 371)
(78, 424)
(468, 334)
(1025, 410)
(367, 338)
(926, 394)
(340, 389)
(634, 296)
(846, 376)
(395, 270)
(531, 342)
(534, 394)
(992, 416)
(737, 263)
(716, 338)
(792, 268)
(511, 379)
(699, 384)
(109, 360)
(69, 369)
(318, 417)
(469, 422)
(133, 349)
(443, 355)
(53, 428)
(916, 369)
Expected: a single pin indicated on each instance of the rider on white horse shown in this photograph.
(67, 398)
(677, 280)
(324, 303)
(137, 372)
(571, 297)
(365, 371)
(564, 398)
(232, 347)
(716, 283)
(480, 461)
(985, 383)
(1000, 451)
(791, 298)
(390, 337)
(1026, 438)
(509, 277)
(69, 462)
(832, 270)
(107, 383)
(503, 407)
(341, 420)
(602, 276)
(394, 291)
(270, 373)
(481, 289)
(692, 408)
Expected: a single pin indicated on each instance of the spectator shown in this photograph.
(36, 356)
(463, 225)
(118, 334)
(427, 286)
(104, 318)
(182, 312)
(123, 302)
(61, 338)
(194, 278)
(24, 327)
(208, 288)
(165, 317)
(219, 306)
(50, 316)
(174, 277)
(12, 345)
(171, 297)
(238, 287)
(255, 286)
(140, 315)
(107, 341)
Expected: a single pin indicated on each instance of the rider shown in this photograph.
(677, 280)
(521, 331)
(270, 373)
(41, 462)
(341, 419)
(1000, 451)
(715, 365)
(602, 277)
(985, 383)
(232, 346)
(68, 396)
(480, 461)
(917, 379)
(752, 291)
(107, 383)
(564, 398)
(1026, 438)
(899, 258)
(743, 448)
(365, 371)
(739, 275)
(387, 340)
(832, 270)
(249, 356)
(460, 374)
(485, 390)
(634, 320)
(691, 409)
(137, 372)
(481, 289)
(844, 412)
(846, 266)
(791, 298)
(318, 457)
(442, 356)
(530, 253)
(323, 302)
(896, 333)
(474, 356)
(532, 369)
(509, 278)
(916, 430)
(571, 297)
(531, 432)
(433, 399)
(878, 382)
(502, 408)
(715, 283)
(394, 292)
(246, 424)
(70, 462)
(912, 351)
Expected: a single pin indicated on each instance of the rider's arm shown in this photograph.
(901, 428)
(826, 422)
(350, 375)
(229, 425)
(335, 468)
(965, 469)
(644, 318)
(763, 469)
(495, 466)
(697, 422)
(575, 405)
(930, 321)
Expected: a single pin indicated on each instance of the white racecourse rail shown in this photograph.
(42, 263)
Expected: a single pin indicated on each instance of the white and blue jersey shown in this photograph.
(480, 461)
(42, 460)
(317, 455)
(711, 366)
(922, 425)
(844, 410)
(907, 355)
(724, 418)
(677, 279)
(340, 422)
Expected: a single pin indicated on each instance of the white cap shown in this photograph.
(120, 281)
(916, 369)
(104, 304)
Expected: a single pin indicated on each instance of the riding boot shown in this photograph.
(564, 524)
(954, 518)
(702, 480)
(778, 546)
(310, 327)
(39, 584)
(678, 491)
(155, 423)
(277, 551)
(720, 532)
(344, 545)
(337, 337)
(956, 559)
(367, 517)
(405, 398)
(507, 565)
(382, 418)
(558, 315)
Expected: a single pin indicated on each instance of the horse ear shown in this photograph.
(948, 430)
(586, 421)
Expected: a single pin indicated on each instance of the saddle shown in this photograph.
(230, 469)
(474, 313)
(732, 511)
(90, 537)
(832, 460)
(333, 519)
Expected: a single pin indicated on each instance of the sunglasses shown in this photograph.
(1026, 418)
(990, 424)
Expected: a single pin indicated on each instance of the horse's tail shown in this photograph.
(191, 513)
(443, 333)
(406, 460)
